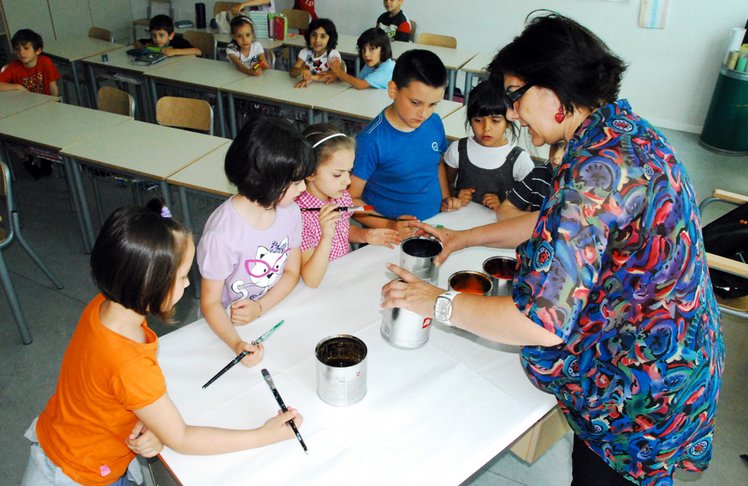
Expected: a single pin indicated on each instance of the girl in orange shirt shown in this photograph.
(111, 402)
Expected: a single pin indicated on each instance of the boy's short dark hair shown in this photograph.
(27, 36)
(161, 22)
(136, 256)
(375, 37)
(267, 156)
(419, 65)
(329, 27)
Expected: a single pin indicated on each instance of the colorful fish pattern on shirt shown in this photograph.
(616, 267)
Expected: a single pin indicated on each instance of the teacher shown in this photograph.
(611, 299)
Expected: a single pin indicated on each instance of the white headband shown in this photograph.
(328, 138)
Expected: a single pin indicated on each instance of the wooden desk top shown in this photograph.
(198, 71)
(143, 149)
(206, 174)
(57, 125)
(12, 102)
(279, 87)
(78, 48)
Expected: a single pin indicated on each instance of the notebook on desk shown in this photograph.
(149, 58)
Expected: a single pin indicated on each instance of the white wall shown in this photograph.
(671, 72)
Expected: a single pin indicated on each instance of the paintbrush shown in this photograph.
(344, 208)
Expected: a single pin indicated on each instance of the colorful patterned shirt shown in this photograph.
(312, 233)
(616, 267)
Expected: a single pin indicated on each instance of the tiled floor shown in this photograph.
(28, 373)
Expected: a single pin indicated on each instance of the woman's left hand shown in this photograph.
(144, 442)
(411, 293)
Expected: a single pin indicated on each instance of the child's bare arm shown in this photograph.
(374, 236)
(337, 68)
(298, 68)
(189, 51)
(241, 67)
(11, 87)
(314, 261)
(53, 89)
(163, 418)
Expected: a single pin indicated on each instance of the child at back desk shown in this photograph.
(394, 22)
(313, 62)
(244, 51)
(484, 168)
(110, 402)
(166, 40)
(327, 231)
(376, 55)
(249, 255)
(398, 167)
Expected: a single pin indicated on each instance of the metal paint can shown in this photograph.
(470, 282)
(417, 256)
(405, 329)
(341, 370)
(501, 272)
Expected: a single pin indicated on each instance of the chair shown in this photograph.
(115, 100)
(737, 306)
(413, 31)
(436, 40)
(10, 229)
(205, 41)
(297, 19)
(173, 111)
(270, 58)
(99, 33)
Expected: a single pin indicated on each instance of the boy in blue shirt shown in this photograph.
(398, 167)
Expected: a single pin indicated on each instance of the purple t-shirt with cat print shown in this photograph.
(248, 260)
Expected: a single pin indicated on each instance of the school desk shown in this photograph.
(432, 415)
(71, 51)
(278, 88)
(16, 101)
(57, 125)
(365, 104)
(121, 67)
(476, 67)
(202, 75)
(454, 125)
(141, 150)
(453, 59)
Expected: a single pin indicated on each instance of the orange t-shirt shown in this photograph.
(104, 377)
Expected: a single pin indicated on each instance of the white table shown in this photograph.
(70, 51)
(16, 101)
(476, 67)
(55, 126)
(365, 104)
(453, 59)
(139, 149)
(433, 415)
(204, 75)
(279, 88)
(454, 125)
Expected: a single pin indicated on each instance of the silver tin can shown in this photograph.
(341, 370)
(405, 329)
(501, 272)
(470, 282)
(417, 256)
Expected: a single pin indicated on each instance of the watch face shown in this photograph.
(442, 308)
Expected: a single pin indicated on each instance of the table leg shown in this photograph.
(219, 114)
(73, 173)
(184, 202)
(77, 82)
(94, 86)
(165, 193)
(451, 85)
(153, 98)
(310, 115)
(232, 116)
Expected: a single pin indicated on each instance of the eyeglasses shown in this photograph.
(511, 97)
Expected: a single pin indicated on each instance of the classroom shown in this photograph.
(500, 428)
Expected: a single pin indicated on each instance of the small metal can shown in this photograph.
(105, 58)
(405, 329)
(341, 370)
(417, 256)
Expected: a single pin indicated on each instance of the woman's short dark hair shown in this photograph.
(329, 27)
(267, 156)
(27, 36)
(487, 99)
(136, 256)
(419, 65)
(375, 37)
(557, 53)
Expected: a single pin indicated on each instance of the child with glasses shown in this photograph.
(249, 256)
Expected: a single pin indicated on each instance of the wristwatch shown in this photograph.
(443, 307)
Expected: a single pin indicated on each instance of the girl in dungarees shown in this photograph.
(483, 168)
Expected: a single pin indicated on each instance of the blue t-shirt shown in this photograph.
(379, 76)
(401, 169)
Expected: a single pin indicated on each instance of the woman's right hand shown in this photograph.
(278, 427)
(452, 240)
(256, 352)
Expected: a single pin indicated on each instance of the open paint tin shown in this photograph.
(501, 272)
(417, 256)
(341, 370)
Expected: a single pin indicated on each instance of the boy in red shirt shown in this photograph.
(36, 73)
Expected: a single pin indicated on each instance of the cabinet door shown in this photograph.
(113, 15)
(71, 18)
(29, 14)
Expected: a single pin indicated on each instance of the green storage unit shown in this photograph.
(726, 125)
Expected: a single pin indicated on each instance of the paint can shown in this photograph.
(341, 370)
(405, 329)
(470, 282)
(417, 256)
(501, 272)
